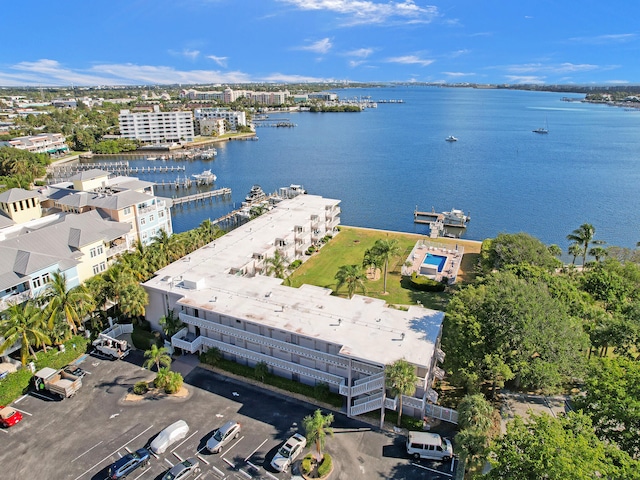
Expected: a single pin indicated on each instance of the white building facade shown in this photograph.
(232, 117)
(157, 126)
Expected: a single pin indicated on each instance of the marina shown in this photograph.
(439, 221)
(202, 197)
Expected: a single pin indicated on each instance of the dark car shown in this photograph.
(129, 463)
(75, 370)
(183, 470)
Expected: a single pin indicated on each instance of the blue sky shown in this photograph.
(136, 42)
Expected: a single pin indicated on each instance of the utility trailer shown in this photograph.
(57, 381)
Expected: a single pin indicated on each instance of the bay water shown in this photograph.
(384, 162)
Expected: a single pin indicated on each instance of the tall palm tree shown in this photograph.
(401, 379)
(317, 427)
(583, 236)
(171, 324)
(352, 276)
(24, 323)
(156, 356)
(276, 265)
(133, 300)
(385, 250)
(72, 304)
(575, 251)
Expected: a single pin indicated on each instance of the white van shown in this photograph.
(430, 446)
(170, 435)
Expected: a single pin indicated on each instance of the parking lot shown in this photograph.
(80, 437)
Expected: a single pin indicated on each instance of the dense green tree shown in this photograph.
(385, 250)
(170, 323)
(612, 400)
(475, 420)
(583, 236)
(400, 379)
(352, 276)
(517, 248)
(24, 323)
(557, 449)
(370, 261)
(317, 426)
(575, 250)
(70, 304)
(517, 321)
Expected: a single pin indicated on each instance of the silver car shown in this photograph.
(170, 435)
(183, 470)
(288, 452)
(222, 436)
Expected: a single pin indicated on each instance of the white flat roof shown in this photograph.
(365, 327)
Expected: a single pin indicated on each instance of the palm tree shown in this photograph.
(170, 323)
(583, 235)
(24, 323)
(371, 261)
(401, 379)
(317, 427)
(598, 251)
(385, 250)
(276, 265)
(554, 250)
(352, 276)
(574, 250)
(71, 304)
(156, 356)
(133, 300)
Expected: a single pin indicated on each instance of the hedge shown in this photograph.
(325, 467)
(425, 284)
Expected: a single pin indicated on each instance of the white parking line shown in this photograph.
(257, 448)
(128, 449)
(3, 430)
(167, 460)
(176, 447)
(21, 398)
(143, 472)
(152, 453)
(230, 463)
(202, 458)
(245, 473)
(113, 453)
(431, 469)
(35, 394)
(86, 451)
(178, 456)
(22, 411)
(239, 440)
(219, 472)
(271, 476)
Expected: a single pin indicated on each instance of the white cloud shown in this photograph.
(190, 54)
(410, 60)
(51, 72)
(525, 79)
(559, 68)
(321, 46)
(360, 52)
(458, 74)
(369, 12)
(457, 53)
(617, 82)
(284, 78)
(166, 75)
(606, 39)
(222, 61)
(356, 63)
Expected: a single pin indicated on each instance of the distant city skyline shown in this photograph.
(140, 42)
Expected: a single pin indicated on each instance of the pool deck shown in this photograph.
(420, 251)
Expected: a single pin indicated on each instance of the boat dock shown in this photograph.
(203, 196)
(111, 167)
(437, 221)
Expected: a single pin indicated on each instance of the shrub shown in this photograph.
(295, 264)
(325, 467)
(173, 383)
(14, 385)
(321, 391)
(261, 371)
(306, 464)
(211, 357)
(143, 339)
(140, 388)
(425, 284)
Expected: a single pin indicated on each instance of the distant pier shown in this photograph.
(202, 197)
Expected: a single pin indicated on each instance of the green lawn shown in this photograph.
(348, 247)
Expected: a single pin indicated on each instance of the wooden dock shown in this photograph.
(202, 197)
(112, 167)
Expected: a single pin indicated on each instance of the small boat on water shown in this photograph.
(544, 129)
(152, 158)
(453, 218)
(206, 177)
(255, 194)
(208, 154)
(451, 138)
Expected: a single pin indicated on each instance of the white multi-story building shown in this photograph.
(305, 334)
(234, 118)
(157, 126)
(52, 143)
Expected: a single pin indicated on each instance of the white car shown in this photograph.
(170, 435)
(288, 452)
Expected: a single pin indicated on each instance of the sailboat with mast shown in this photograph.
(544, 129)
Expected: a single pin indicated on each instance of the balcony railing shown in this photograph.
(262, 340)
(258, 357)
(413, 402)
(440, 355)
(116, 250)
(15, 299)
(366, 404)
(446, 414)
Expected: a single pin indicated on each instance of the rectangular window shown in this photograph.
(127, 211)
(100, 249)
(92, 252)
(96, 269)
(160, 214)
(143, 221)
(151, 218)
(103, 266)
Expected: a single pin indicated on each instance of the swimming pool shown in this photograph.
(438, 260)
